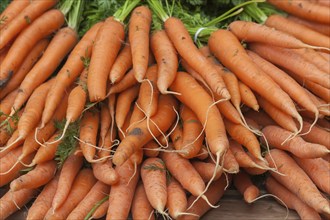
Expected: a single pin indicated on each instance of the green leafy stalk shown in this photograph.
(121, 14)
(91, 212)
(73, 12)
(4, 4)
(6, 124)
(157, 7)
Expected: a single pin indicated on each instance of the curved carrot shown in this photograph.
(12, 10)
(230, 164)
(121, 65)
(244, 185)
(105, 172)
(46, 24)
(141, 208)
(127, 81)
(206, 170)
(105, 119)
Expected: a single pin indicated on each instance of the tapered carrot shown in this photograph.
(230, 164)
(167, 59)
(176, 199)
(141, 208)
(96, 193)
(6, 132)
(68, 173)
(6, 104)
(236, 59)
(149, 149)
(244, 185)
(35, 53)
(139, 133)
(261, 118)
(44, 25)
(12, 10)
(305, 34)
(121, 194)
(314, 57)
(248, 97)
(127, 81)
(315, 135)
(206, 170)
(291, 200)
(101, 211)
(12, 201)
(121, 65)
(297, 181)
(82, 184)
(39, 176)
(304, 9)
(319, 27)
(227, 109)
(138, 33)
(105, 172)
(43, 201)
(108, 143)
(26, 18)
(105, 119)
(275, 136)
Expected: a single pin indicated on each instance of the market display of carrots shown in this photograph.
(151, 109)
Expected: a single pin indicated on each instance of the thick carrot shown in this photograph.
(43, 201)
(244, 185)
(138, 33)
(297, 181)
(96, 193)
(236, 59)
(206, 170)
(46, 24)
(167, 59)
(141, 208)
(105, 172)
(121, 65)
(315, 135)
(314, 57)
(303, 33)
(319, 27)
(139, 134)
(149, 149)
(26, 18)
(247, 96)
(105, 50)
(176, 199)
(121, 194)
(290, 199)
(35, 53)
(82, 184)
(69, 72)
(318, 170)
(101, 211)
(127, 81)
(275, 136)
(12, 201)
(68, 173)
(12, 10)
(304, 9)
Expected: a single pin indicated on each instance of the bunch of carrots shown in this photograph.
(154, 112)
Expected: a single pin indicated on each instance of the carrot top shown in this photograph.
(72, 10)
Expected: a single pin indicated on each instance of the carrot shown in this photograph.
(105, 172)
(124, 130)
(141, 208)
(44, 25)
(149, 149)
(290, 199)
(43, 201)
(73, 66)
(139, 134)
(12, 201)
(167, 59)
(245, 137)
(315, 135)
(6, 104)
(261, 118)
(138, 33)
(101, 211)
(318, 170)
(127, 81)
(297, 181)
(82, 184)
(176, 199)
(121, 194)
(68, 173)
(230, 165)
(96, 193)
(305, 34)
(105, 119)
(314, 57)
(244, 185)
(136, 158)
(247, 96)
(121, 65)
(26, 18)
(105, 49)
(207, 114)
(253, 32)
(6, 132)
(105, 151)
(206, 170)
(12, 10)
(214, 193)
(227, 109)
(203, 153)
(304, 9)
(33, 56)
(276, 135)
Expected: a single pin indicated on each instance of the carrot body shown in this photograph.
(105, 172)
(105, 49)
(12, 10)
(127, 81)
(25, 18)
(141, 208)
(247, 96)
(7, 103)
(101, 211)
(316, 135)
(230, 164)
(167, 59)
(244, 185)
(176, 199)
(69, 72)
(105, 120)
(138, 33)
(290, 199)
(139, 134)
(206, 170)
(276, 136)
(242, 158)
(47, 23)
(297, 181)
(121, 65)
(319, 27)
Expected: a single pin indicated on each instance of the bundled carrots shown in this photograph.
(158, 119)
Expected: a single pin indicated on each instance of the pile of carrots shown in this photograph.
(143, 117)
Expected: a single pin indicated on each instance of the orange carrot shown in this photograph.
(127, 81)
(206, 170)
(230, 165)
(44, 25)
(315, 135)
(319, 27)
(6, 104)
(261, 118)
(101, 211)
(314, 57)
(141, 208)
(176, 199)
(105, 172)
(122, 63)
(227, 109)
(105, 120)
(247, 96)
(6, 132)
(138, 33)
(244, 185)
(12, 10)
(297, 181)
(26, 18)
